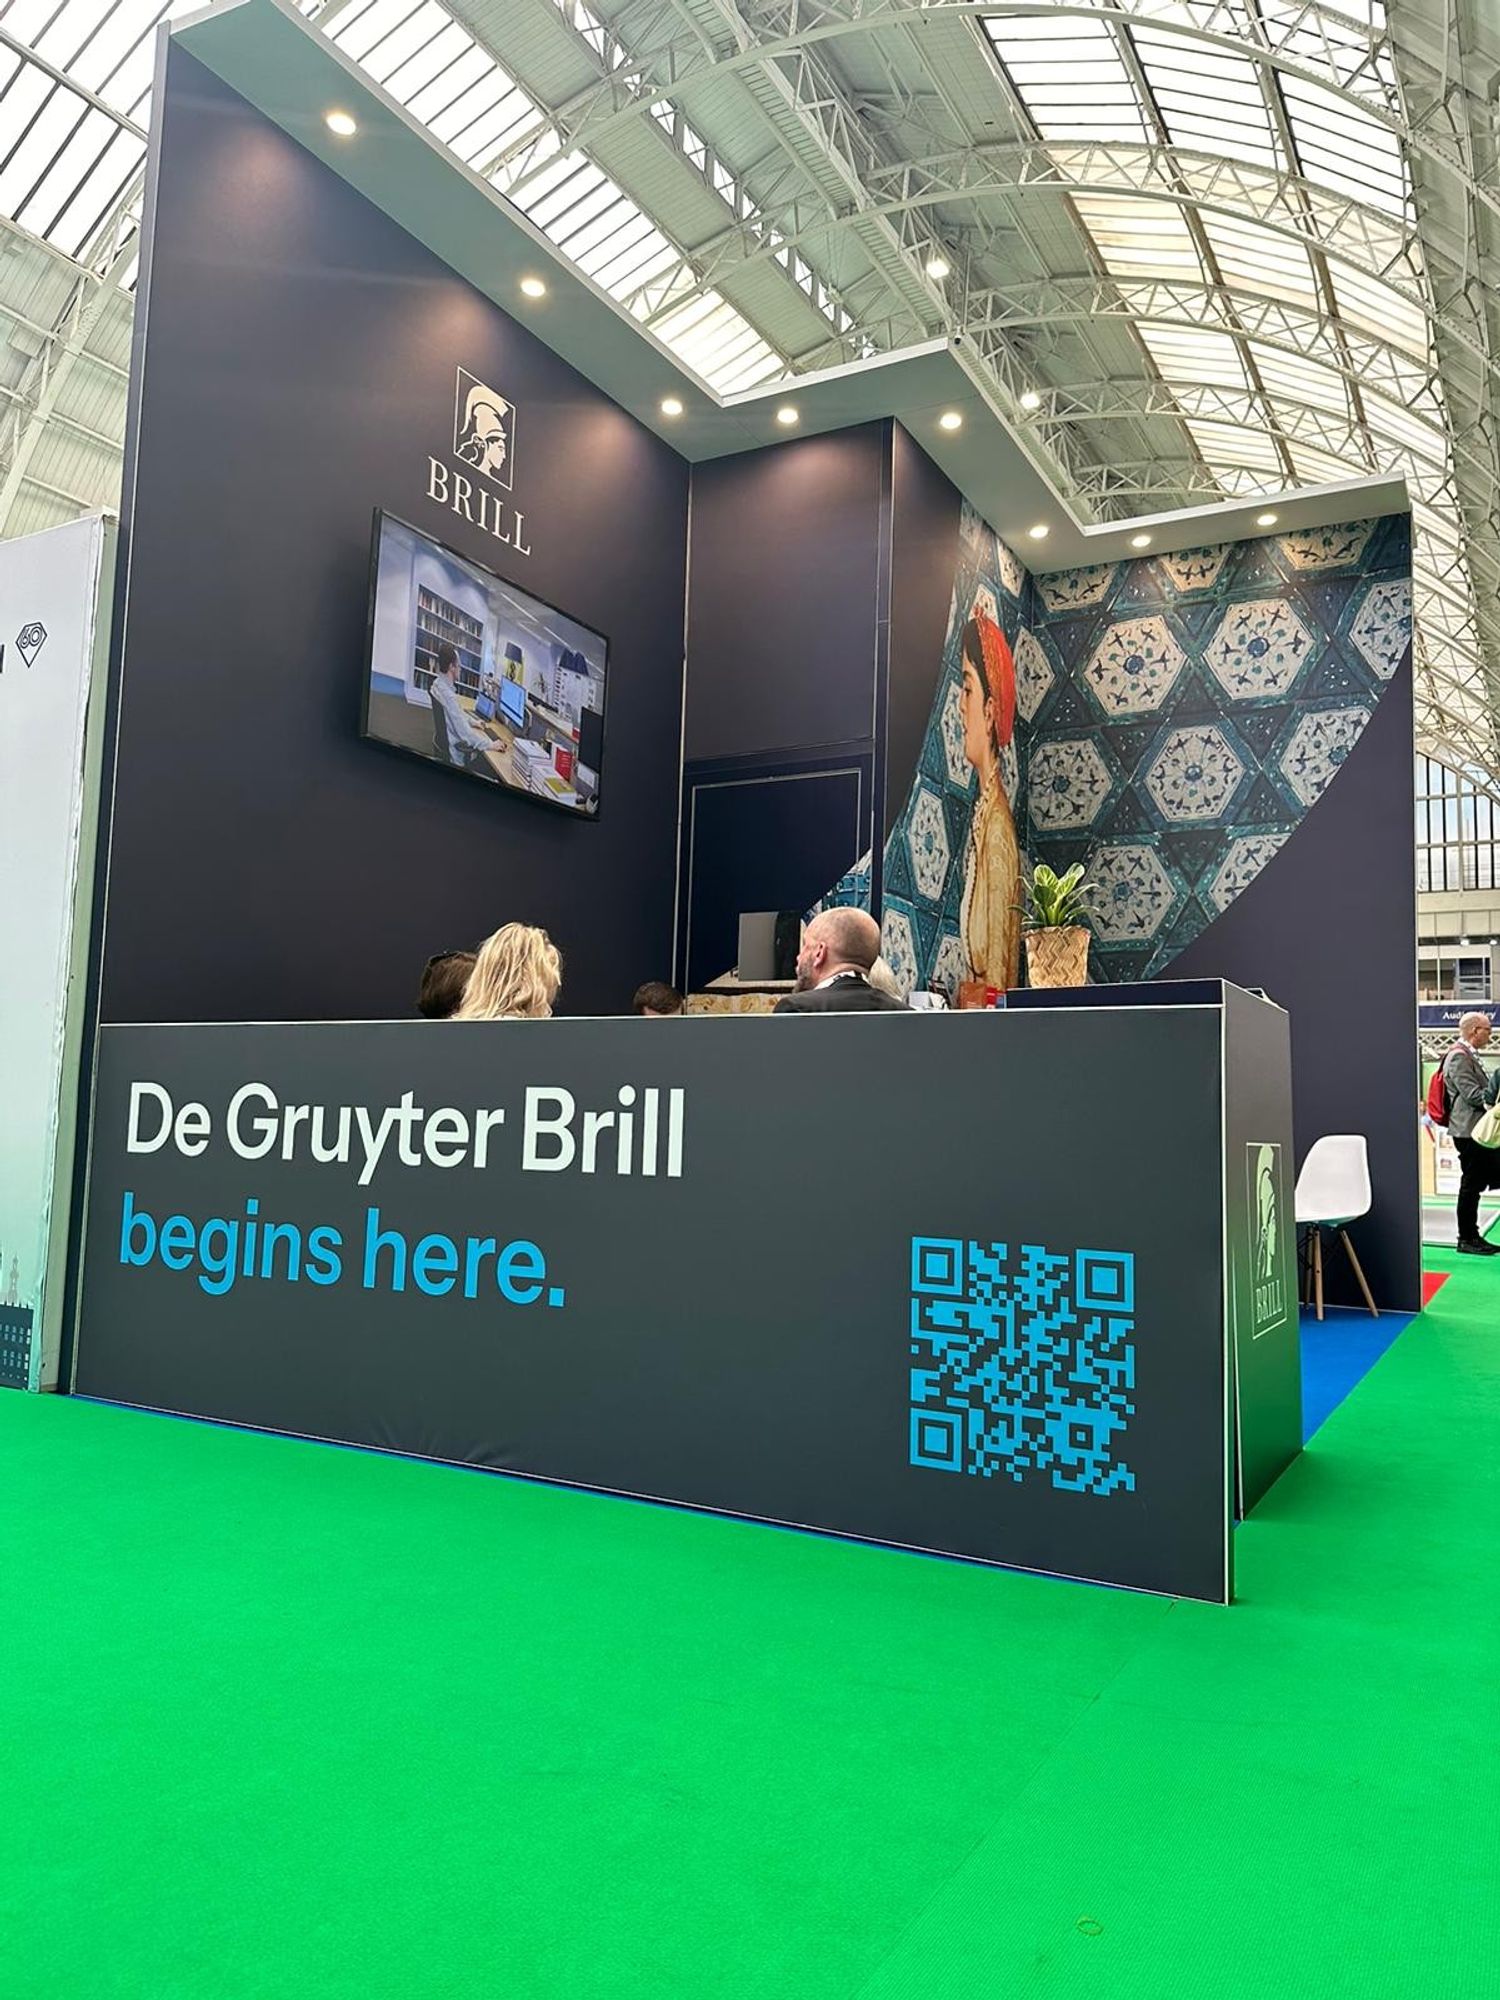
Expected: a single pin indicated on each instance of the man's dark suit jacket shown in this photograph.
(849, 994)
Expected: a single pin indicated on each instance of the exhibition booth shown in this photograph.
(431, 617)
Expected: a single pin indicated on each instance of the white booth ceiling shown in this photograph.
(1198, 248)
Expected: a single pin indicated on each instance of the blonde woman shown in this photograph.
(516, 976)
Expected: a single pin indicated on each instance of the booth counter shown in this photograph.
(1011, 1286)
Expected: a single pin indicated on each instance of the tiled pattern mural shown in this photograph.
(1198, 704)
(926, 849)
(1176, 716)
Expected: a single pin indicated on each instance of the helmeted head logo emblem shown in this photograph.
(484, 430)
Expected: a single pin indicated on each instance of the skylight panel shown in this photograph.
(1193, 355)
(1141, 239)
(1234, 446)
(1210, 101)
(1378, 307)
(1255, 259)
(1343, 149)
(1388, 420)
(1071, 77)
(1300, 381)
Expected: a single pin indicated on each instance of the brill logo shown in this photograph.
(484, 430)
(484, 444)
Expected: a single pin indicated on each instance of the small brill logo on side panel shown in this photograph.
(1267, 1236)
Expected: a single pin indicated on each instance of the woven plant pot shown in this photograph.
(1058, 957)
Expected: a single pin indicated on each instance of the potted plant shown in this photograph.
(1054, 917)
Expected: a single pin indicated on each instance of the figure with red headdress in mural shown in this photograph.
(990, 922)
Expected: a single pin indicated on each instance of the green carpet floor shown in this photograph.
(288, 1722)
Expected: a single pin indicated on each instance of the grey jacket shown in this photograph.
(1469, 1089)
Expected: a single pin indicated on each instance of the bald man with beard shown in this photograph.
(833, 968)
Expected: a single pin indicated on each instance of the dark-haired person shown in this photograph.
(839, 951)
(656, 1000)
(463, 737)
(990, 922)
(1470, 1093)
(444, 978)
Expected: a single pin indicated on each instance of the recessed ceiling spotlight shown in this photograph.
(533, 288)
(950, 420)
(1140, 541)
(1030, 399)
(671, 406)
(1039, 532)
(938, 268)
(340, 124)
(1266, 520)
(787, 414)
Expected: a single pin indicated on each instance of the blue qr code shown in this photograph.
(1022, 1363)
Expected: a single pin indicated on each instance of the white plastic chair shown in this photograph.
(1333, 1190)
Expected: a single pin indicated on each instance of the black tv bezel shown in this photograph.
(493, 786)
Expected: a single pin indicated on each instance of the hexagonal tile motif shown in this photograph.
(1248, 854)
(1326, 548)
(1069, 784)
(951, 965)
(1194, 775)
(1134, 667)
(1012, 569)
(1188, 570)
(1381, 631)
(927, 838)
(960, 770)
(1034, 675)
(1076, 589)
(1133, 895)
(898, 947)
(1317, 746)
(1258, 649)
(985, 604)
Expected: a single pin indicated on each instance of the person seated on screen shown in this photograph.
(464, 740)
(839, 949)
(657, 1001)
(516, 975)
(444, 978)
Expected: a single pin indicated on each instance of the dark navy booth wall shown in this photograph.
(301, 369)
(1328, 929)
(925, 512)
(789, 576)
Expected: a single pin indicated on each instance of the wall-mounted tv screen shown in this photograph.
(473, 675)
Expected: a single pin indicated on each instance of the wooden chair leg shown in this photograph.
(1359, 1273)
(1318, 1266)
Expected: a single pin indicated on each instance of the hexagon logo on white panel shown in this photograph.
(1381, 631)
(1248, 854)
(1188, 570)
(1318, 746)
(898, 948)
(1134, 667)
(1034, 675)
(1069, 785)
(960, 771)
(1133, 895)
(1194, 775)
(927, 838)
(1258, 649)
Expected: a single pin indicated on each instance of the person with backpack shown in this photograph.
(1462, 1092)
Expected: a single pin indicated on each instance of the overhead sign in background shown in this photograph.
(53, 642)
(828, 1276)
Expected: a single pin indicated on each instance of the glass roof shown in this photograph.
(1317, 211)
(1236, 167)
